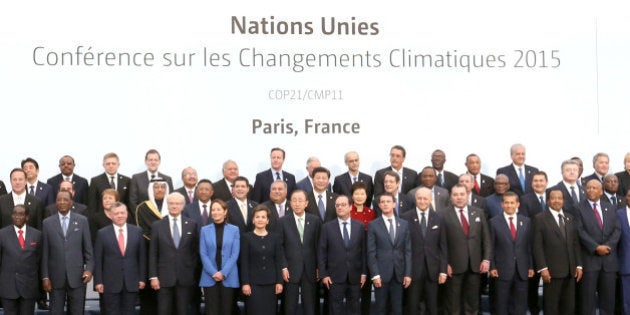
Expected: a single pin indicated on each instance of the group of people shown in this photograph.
(429, 242)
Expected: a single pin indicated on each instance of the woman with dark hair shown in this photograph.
(261, 264)
(219, 247)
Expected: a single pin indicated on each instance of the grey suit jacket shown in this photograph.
(472, 249)
(66, 257)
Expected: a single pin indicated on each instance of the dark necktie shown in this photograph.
(563, 229)
(354, 179)
(278, 176)
(32, 191)
(440, 180)
(574, 195)
(542, 203)
(346, 236)
(464, 222)
(512, 229)
(597, 216)
(423, 224)
(614, 200)
(392, 233)
(112, 184)
(152, 176)
(204, 214)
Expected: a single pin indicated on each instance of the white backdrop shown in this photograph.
(200, 115)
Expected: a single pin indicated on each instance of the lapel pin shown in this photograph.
(435, 227)
(188, 233)
(29, 203)
(125, 188)
(308, 222)
(520, 223)
(477, 219)
(76, 229)
(415, 220)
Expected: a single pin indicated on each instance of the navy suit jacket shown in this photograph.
(174, 265)
(407, 181)
(19, 268)
(429, 250)
(66, 258)
(43, 192)
(263, 183)
(34, 206)
(236, 217)
(115, 271)
(343, 185)
(624, 242)
(387, 259)
(515, 182)
(193, 211)
(591, 236)
(511, 256)
(301, 256)
(342, 264)
(81, 187)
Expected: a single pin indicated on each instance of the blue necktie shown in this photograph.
(521, 178)
(542, 202)
(322, 208)
(392, 233)
(346, 236)
(64, 225)
(614, 200)
(175, 233)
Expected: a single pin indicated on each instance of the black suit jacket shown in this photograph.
(34, 206)
(43, 192)
(140, 184)
(624, 182)
(591, 236)
(301, 257)
(569, 205)
(551, 250)
(472, 249)
(100, 183)
(450, 180)
(221, 190)
(263, 182)
(407, 181)
(515, 182)
(81, 188)
(3, 188)
(273, 225)
(486, 186)
(19, 268)
(621, 201)
(312, 208)
(236, 217)
(511, 256)
(182, 190)
(343, 185)
(342, 264)
(174, 265)
(588, 178)
(428, 251)
(114, 270)
(530, 205)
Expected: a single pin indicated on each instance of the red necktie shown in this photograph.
(121, 241)
(21, 238)
(464, 221)
(512, 229)
(477, 189)
(599, 219)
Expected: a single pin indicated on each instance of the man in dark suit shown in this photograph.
(173, 258)
(67, 260)
(81, 188)
(264, 179)
(623, 214)
(76, 206)
(199, 210)
(306, 183)
(624, 176)
(599, 231)
(428, 248)
(572, 192)
(119, 262)
(511, 263)
(428, 178)
(389, 257)
(241, 208)
(445, 179)
(189, 178)
(403, 203)
(601, 166)
(472, 199)
(469, 249)
(343, 183)
(20, 254)
(109, 179)
(278, 204)
(321, 202)
(3, 188)
(342, 259)
(300, 234)
(18, 196)
(611, 189)
(557, 255)
(484, 184)
(140, 182)
(35, 187)
(494, 202)
(407, 176)
(223, 188)
(520, 175)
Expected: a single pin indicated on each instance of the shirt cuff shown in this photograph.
(539, 271)
(376, 277)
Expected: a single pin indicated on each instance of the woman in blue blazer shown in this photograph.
(219, 248)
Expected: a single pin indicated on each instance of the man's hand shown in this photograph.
(406, 282)
(155, 284)
(327, 282)
(442, 278)
(278, 288)
(449, 270)
(602, 250)
(46, 285)
(578, 274)
(484, 266)
(531, 273)
(99, 288)
(141, 285)
(377, 283)
(363, 280)
(494, 273)
(285, 274)
(545, 276)
(247, 290)
(87, 276)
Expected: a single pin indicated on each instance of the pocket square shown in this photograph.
(435, 227)
(125, 188)
(76, 229)
(188, 233)
(33, 243)
(477, 219)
